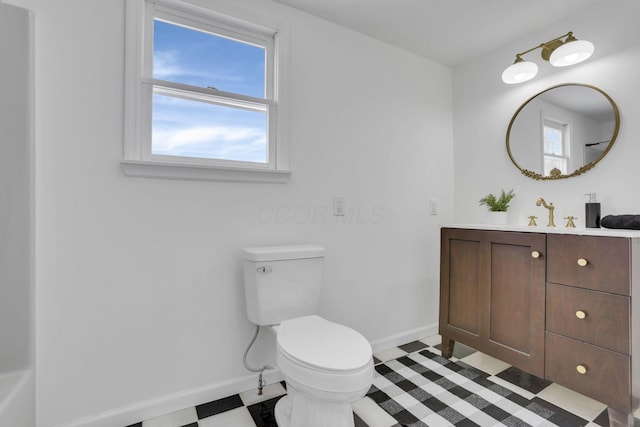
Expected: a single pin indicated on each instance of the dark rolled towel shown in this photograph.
(630, 222)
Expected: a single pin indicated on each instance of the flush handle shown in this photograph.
(264, 269)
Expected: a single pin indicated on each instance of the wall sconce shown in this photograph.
(559, 53)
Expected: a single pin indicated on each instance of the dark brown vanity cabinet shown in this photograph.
(556, 305)
(492, 294)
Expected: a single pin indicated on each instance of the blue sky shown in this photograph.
(197, 129)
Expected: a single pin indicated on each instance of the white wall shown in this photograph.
(17, 349)
(139, 291)
(15, 189)
(483, 107)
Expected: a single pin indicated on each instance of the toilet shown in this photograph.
(326, 366)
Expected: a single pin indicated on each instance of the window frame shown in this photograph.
(563, 128)
(138, 160)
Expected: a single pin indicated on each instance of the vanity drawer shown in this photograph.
(606, 316)
(607, 376)
(606, 262)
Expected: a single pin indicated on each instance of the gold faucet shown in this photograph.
(549, 206)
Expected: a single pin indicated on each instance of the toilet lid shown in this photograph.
(323, 344)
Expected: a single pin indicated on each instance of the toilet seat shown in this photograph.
(319, 344)
(331, 359)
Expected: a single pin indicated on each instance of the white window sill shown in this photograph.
(164, 170)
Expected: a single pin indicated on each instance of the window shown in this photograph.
(202, 95)
(555, 143)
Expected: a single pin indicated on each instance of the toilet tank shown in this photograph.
(282, 282)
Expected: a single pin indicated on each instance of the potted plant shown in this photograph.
(498, 206)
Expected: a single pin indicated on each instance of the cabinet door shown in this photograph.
(461, 261)
(492, 294)
(515, 330)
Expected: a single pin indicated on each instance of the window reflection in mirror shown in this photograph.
(555, 146)
(563, 131)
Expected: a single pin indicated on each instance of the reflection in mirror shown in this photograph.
(563, 131)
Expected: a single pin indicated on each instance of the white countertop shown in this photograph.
(608, 232)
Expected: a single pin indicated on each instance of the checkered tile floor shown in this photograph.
(414, 386)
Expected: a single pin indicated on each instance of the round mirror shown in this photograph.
(562, 131)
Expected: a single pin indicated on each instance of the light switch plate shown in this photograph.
(338, 206)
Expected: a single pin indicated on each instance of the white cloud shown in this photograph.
(167, 64)
(221, 142)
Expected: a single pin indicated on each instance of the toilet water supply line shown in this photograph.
(261, 370)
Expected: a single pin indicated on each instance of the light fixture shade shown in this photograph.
(571, 53)
(519, 72)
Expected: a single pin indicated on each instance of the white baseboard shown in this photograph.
(174, 402)
(404, 337)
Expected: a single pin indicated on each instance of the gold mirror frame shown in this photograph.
(581, 170)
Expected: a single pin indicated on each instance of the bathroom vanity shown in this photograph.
(555, 302)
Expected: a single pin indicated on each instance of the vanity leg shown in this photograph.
(447, 347)
(620, 419)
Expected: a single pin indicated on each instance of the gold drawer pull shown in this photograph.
(581, 369)
(581, 314)
(582, 262)
(535, 254)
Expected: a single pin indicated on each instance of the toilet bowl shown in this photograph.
(326, 366)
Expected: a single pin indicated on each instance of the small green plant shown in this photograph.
(500, 204)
